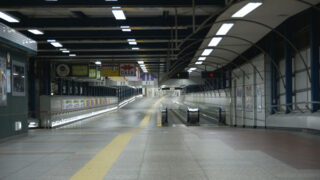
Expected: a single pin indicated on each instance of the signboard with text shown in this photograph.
(110, 70)
(127, 69)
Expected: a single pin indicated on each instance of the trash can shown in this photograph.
(193, 116)
(164, 117)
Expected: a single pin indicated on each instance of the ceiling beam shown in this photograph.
(92, 28)
(107, 50)
(102, 22)
(16, 4)
(91, 41)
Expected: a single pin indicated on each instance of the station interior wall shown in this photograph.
(16, 110)
(299, 118)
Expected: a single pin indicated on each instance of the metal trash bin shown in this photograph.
(164, 117)
(193, 116)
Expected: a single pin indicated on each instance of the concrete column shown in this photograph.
(314, 59)
(288, 65)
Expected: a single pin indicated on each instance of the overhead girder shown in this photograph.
(15, 4)
(273, 30)
(106, 23)
(245, 40)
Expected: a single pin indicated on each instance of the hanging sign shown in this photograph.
(128, 69)
(79, 70)
(110, 70)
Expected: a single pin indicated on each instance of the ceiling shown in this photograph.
(271, 13)
(89, 29)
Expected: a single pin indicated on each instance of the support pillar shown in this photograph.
(273, 76)
(314, 60)
(288, 65)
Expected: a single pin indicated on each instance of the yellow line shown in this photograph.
(98, 167)
(146, 119)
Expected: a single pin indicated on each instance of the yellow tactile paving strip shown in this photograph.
(98, 167)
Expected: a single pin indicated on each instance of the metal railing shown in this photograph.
(292, 107)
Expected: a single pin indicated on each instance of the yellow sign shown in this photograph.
(110, 70)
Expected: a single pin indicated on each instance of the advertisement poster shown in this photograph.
(128, 69)
(82, 103)
(76, 104)
(239, 98)
(3, 82)
(249, 99)
(110, 70)
(259, 98)
(18, 79)
(87, 103)
(67, 104)
(92, 72)
(8, 81)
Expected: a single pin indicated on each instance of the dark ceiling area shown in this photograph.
(90, 30)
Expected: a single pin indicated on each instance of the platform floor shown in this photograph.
(118, 146)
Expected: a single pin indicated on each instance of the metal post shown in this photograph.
(73, 92)
(176, 26)
(60, 86)
(314, 60)
(32, 88)
(67, 87)
(273, 76)
(288, 73)
(193, 16)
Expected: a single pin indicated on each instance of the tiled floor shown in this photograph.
(177, 152)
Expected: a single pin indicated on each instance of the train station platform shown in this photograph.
(130, 144)
(160, 89)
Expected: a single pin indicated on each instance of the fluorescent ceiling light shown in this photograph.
(56, 44)
(224, 29)
(35, 31)
(135, 48)
(198, 62)
(98, 62)
(206, 52)
(66, 51)
(192, 69)
(215, 41)
(245, 10)
(131, 40)
(51, 40)
(63, 49)
(140, 62)
(126, 30)
(118, 13)
(133, 43)
(202, 58)
(8, 18)
(72, 55)
(124, 27)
